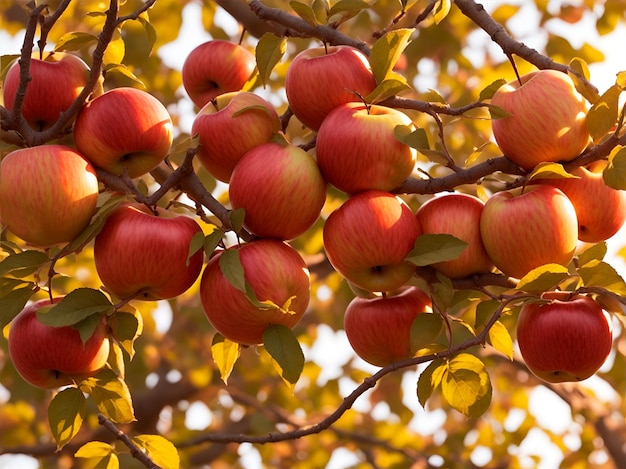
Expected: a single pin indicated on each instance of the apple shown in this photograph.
(229, 126)
(367, 239)
(547, 120)
(48, 194)
(379, 329)
(321, 78)
(281, 189)
(458, 215)
(216, 67)
(144, 255)
(357, 149)
(566, 338)
(523, 231)
(125, 129)
(275, 272)
(56, 82)
(600, 209)
(49, 357)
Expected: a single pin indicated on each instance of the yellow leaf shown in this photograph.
(65, 415)
(97, 454)
(160, 450)
(225, 354)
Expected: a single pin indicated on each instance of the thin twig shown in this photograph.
(135, 451)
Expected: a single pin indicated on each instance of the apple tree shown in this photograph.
(316, 233)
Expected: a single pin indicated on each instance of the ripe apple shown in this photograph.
(320, 79)
(600, 209)
(367, 239)
(49, 357)
(56, 82)
(143, 255)
(547, 120)
(124, 129)
(379, 329)
(275, 272)
(281, 189)
(524, 231)
(48, 194)
(216, 67)
(458, 215)
(357, 149)
(229, 126)
(564, 339)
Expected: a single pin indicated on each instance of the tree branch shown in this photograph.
(135, 451)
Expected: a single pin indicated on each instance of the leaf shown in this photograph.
(269, 50)
(603, 114)
(441, 10)
(160, 450)
(347, 8)
(595, 252)
(76, 306)
(425, 330)
(432, 248)
(236, 218)
(387, 88)
(13, 302)
(116, 49)
(232, 269)
(126, 327)
(304, 11)
(614, 173)
(550, 171)
(586, 89)
(429, 380)
(124, 71)
(500, 338)
(488, 92)
(496, 112)
(284, 348)
(66, 413)
(543, 278)
(600, 274)
(465, 384)
(150, 31)
(225, 354)
(415, 138)
(97, 455)
(23, 263)
(387, 50)
(111, 395)
(75, 41)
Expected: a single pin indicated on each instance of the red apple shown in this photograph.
(357, 149)
(524, 231)
(564, 339)
(229, 126)
(281, 189)
(275, 272)
(547, 120)
(143, 255)
(48, 194)
(320, 79)
(457, 215)
(379, 329)
(367, 239)
(216, 67)
(57, 80)
(124, 129)
(49, 357)
(600, 209)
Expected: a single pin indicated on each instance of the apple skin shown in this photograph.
(267, 181)
(367, 239)
(125, 128)
(357, 149)
(275, 271)
(57, 80)
(216, 67)
(379, 329)
(523, 232)
(564, 339)
(142, 255)
(458, 215)
(231, 125)
(48, 194)
(318, 80)
(49, 357)
(600, 209)
(547, 121)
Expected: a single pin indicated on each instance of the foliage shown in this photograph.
(465, 400)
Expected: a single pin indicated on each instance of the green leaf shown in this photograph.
(550, 171)
(236, 218)
(76, 306)
(489, 91)
(543, 278)
(126, 327)
(124, 72)
(595, 252)
(212, 240)
(13, 302)
(160, 450)
(23, 263)
(225, 354)
(284, 348)
(66, 413)
(432, 248)
(75, 41)
(269, 50)
(386, 51)
(614, 173)
(496, 112)
(415, 138)
(603, 114)
(97, 455)
(600, 274)
(347, 8)
(232, 269)
(500, 338)
(150, 31)
(441, 10)
(304, 11)
(111, 395)
(387, 88)
(425, 330)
